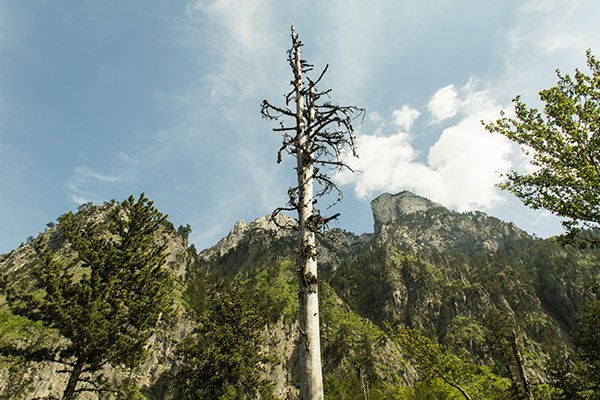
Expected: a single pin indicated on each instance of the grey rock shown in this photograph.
(393, 208)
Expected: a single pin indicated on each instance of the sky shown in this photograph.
(103, 99)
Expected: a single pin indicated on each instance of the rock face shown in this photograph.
(417, 224)
(393, 208)
(426, 267)
(242, 232)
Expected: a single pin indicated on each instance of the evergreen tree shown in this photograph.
(587, 341)
(105, 296)
(564, 146)
(569, 376)
(501, 340)
(222, 358)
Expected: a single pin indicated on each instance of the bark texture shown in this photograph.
(319, 137)
(311, 382)
(69, 393)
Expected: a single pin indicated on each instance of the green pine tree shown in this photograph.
(222, 357)
(106, 299)
(586, 338)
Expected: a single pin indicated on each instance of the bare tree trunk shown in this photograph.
(311, 382)
(365, 384)
(318, 139)
(462, 391)
(69, 393)
(520, 368)
(455, 386)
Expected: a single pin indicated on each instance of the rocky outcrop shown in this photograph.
(425, 266)
(392, 209)
(416, 224)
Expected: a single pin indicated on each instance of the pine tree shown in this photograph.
(586, 338)
(503, 345)
(318, 137)
(107, 299)
(222, 358)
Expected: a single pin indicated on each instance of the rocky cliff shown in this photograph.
(438, 271)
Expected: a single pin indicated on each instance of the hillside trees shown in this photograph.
(317, 136)
(222, 358)
(503, 346)
(431, 361)
(105, 296)
(563, 143)
(587, 341)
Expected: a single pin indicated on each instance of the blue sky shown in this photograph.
(102, 99)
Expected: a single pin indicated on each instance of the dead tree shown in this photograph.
(318, 134)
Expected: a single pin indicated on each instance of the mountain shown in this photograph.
(418, 224)
(445, 274)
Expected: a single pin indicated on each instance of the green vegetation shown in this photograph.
(278, 291)
(444, 373)
(564, 146)
(222, 358)
(104, 298)
(587, 341)
(458, 317)
(19, 332)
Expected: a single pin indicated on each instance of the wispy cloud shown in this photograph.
(547, 26)
(87, 174)
(546, 35)
(240, 42)
(87, 185)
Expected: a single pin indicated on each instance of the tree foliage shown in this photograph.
(222, 358)
(105, 296)
(431, 361)
(501, 339)
(563, 143)
(587, 340)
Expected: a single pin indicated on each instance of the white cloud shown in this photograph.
(405, 117)
(462, 167)
(376, 117)
(468, 162)
(444, 104)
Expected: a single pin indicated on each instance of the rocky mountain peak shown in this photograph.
(393, 208)
(243, 231)
(410, 221)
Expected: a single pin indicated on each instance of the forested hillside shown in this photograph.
(433, 304)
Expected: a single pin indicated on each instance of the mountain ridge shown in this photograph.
(426, 267)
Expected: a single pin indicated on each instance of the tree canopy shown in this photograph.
(430, 360)
(105, 294)
(563, 143)
(222, 358)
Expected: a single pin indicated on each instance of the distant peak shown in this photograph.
(404, 202)
(390, 208)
